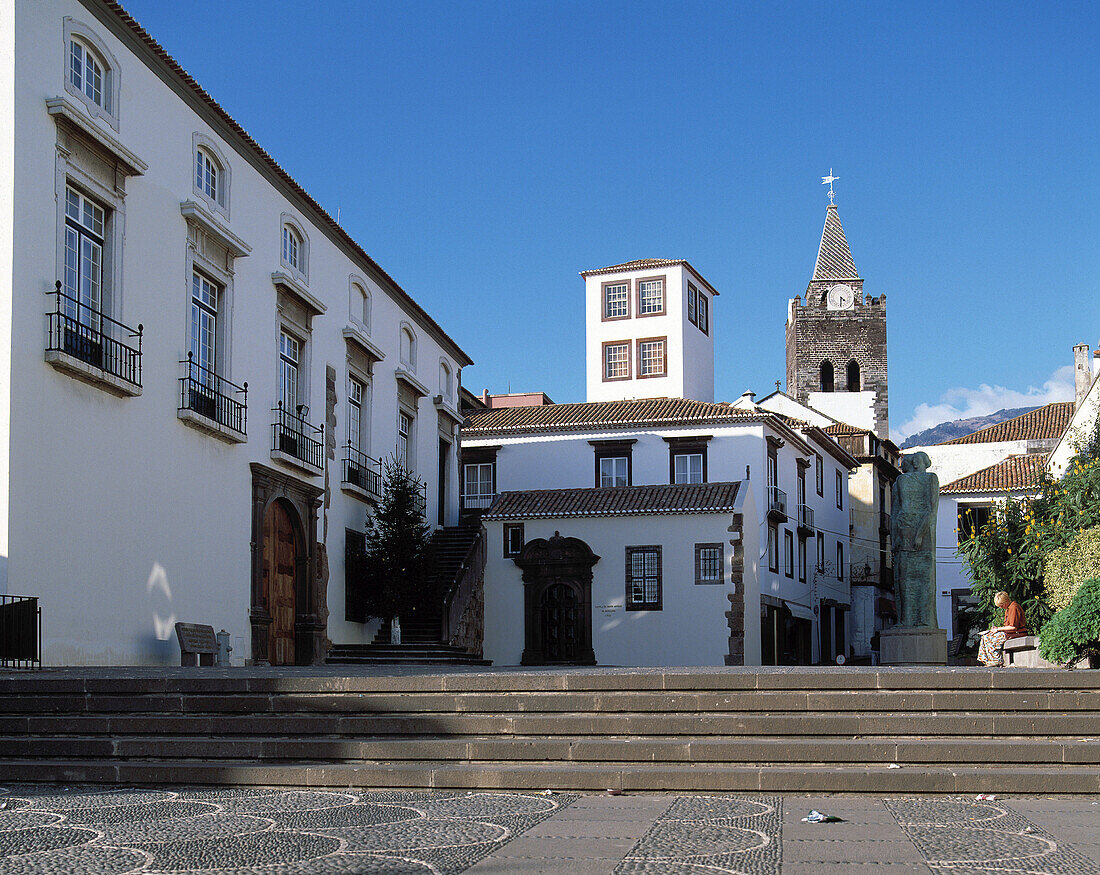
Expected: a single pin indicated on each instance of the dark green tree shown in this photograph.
(396, 556)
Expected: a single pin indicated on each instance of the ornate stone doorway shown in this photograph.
(279, 572)
(557, 601)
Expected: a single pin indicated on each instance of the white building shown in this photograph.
(562, 457)
(650, 331)
(201, 367)
(1086, 410)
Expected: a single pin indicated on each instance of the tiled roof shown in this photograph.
(1044, 423)
(1011, 475)
(245, 140)
(834, 258)
(646, 264)
(591, 415)
(614, 501)
(843, 428)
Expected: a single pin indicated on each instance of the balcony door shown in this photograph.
(280, 564)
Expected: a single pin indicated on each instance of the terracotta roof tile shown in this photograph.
(615, 501)
(1044, 423)
(834, 258)
(645, 264)
(591, 415)
(1010, 475)
(320, 215)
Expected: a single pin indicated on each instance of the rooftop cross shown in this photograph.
(829, 180)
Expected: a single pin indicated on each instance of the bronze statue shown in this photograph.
(915, 498)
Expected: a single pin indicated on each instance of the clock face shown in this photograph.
(841, 297)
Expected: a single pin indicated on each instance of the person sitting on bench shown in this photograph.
(991, 647)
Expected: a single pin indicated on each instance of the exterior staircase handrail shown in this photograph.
(462, 587)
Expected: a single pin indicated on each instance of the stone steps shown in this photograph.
(783, 730)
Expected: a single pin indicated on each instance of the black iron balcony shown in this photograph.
(362, 472)
(213, 397)
(83, 334)
(777, 504)
(806, 520)
(478, 501)
(292, 436)
(20, 631)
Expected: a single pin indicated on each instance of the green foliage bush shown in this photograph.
(1066, 568)
(1075, 630)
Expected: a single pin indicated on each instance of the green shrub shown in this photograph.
(1068, 567)
(1075, 630)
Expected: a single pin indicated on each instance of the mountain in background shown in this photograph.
(946, 431)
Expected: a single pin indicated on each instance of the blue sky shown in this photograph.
(484, 153)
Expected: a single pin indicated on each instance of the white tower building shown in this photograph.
(650, 331)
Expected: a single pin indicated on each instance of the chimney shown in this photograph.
(1082, 373)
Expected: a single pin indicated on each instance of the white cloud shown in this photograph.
(962, 403)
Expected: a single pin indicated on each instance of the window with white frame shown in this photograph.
(839, 491)
(802, 560)
(207, 174)
(88, 73)
(356, 391)
(513, 539)
(788, 553)
(651, 297)
(293, 249)
(616, 361)
(651, 357)
(773, 549)
(477, 484)
(708, 564)
(687, 468)
(614, 471)
(404, 439)
(205, 294)
(85, 237)
(408, 348)
(616, 300)
(643, 578)
(290, 350)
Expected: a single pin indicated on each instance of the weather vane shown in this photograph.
(829, 180)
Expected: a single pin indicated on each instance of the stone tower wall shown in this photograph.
(815, 333)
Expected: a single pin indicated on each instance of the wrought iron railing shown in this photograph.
(89, 335)
(805, 516)
(211, 396)
(479, 501)
(362, 471)
(777, 501)
(20, 631)
(291, 434)
(872, 573)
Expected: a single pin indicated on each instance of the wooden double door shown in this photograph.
(280, 573)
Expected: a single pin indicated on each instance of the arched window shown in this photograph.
(853, 376)
(826, 376)
(445, 381)
(88, 73)
(208, 173)
(408, 347)
(292, 248)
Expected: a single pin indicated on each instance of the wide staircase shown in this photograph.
(422, 631)
(793, 730)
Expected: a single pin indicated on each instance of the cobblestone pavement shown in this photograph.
(52, 830)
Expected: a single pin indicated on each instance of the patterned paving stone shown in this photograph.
(711, 834)
(965, 837)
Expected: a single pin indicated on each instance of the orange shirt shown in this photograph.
(1014, 617)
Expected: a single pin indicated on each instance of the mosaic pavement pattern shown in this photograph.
(52, 830)
(712, 834)
(962, 836)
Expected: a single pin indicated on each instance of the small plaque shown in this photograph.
(196, 638)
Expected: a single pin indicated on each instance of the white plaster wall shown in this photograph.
(125, 519)
(7, 192)
(784, 404)
(1079, 430)
(691, 628)
(853, 408)
(698, 347)
(951, 569)
(952, 461)
(689, 361)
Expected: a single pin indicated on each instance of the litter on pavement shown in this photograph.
(816, 816)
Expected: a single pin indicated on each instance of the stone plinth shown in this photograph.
(920, 646)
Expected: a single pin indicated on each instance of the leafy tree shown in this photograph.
(1075, 630)
(1068, 567)
(1010, 551)
(396, 557)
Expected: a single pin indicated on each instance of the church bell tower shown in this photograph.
(836, 338)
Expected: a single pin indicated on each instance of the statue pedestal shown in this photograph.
(920, 646)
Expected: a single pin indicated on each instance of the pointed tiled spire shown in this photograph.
(834, 258)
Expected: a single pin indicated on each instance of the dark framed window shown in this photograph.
(708, 564)
(801, 560)
(820, 552)
(972, 520)
(820, 476)
(839, 561)
(643, 578)
(839, 491)
(773, 549)
(701, 314)
(651, 296)
(616, 300)
(687, 459)
(616, 360)
(479, 477)
(788, 553)
(513, 539)
(614, 465)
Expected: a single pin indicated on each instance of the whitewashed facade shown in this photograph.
(145, 489)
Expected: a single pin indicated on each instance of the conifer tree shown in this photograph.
(396, 556)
